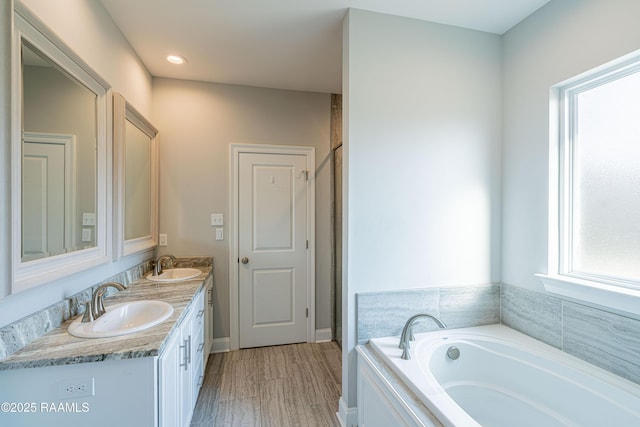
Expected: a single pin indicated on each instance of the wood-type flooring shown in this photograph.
(296, 385)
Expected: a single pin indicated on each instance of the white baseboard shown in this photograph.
(323, 335)
(347, 417)
(220, 345)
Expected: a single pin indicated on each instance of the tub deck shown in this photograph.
(503, 375)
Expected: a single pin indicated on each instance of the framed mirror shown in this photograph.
(136, 179)
(60, 173)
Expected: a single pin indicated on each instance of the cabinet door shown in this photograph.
(208, 321)
(169, 384)
(185, 371)
(198, 342)
(181, 367)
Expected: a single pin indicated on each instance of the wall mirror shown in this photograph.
(59, 158)
(136, 179)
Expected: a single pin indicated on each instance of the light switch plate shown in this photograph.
(88, 219)
(217, 219)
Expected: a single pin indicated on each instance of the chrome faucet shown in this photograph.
(407, 332)
(96, 308)
(157, 267)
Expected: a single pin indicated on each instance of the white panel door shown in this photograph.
(272, 243)
(43, 200)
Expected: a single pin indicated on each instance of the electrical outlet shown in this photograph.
(219, 233)
(70, 389)
(163, 240)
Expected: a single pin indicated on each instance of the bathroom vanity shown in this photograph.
(148, 378)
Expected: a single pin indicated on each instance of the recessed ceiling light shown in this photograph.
(175, 59)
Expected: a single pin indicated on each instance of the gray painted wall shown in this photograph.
(197, 122)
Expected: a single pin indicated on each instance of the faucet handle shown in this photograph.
(406, 355)
(100, 305)
(88, 315)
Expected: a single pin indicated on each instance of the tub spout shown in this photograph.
(407, 332)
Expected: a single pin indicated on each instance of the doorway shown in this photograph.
(336, 147)
(272, 259)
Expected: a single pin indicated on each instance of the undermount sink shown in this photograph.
(122, 319)
(175, 275)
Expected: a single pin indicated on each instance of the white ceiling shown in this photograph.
(285, 44)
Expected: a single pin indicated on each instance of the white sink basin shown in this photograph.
(175, 275)
(122, 319)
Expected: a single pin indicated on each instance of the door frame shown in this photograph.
(234, 158)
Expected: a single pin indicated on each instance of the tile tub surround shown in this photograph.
(600, 337)
(383, 314)
(603, 338)
(59, 348)
(15, 336)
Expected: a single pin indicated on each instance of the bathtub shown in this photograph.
(503, 378)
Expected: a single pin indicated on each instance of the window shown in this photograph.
(594, 238)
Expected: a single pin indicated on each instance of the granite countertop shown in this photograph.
(58, 347)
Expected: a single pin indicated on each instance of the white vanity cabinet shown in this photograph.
(97, 394)
(208, 319)
(142, 392)
(181, 367)
(142, 380)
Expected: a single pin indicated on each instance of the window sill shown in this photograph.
(615, 297)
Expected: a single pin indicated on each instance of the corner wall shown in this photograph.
(561, 40)
(197, 122)
(422, 111)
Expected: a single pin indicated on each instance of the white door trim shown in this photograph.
(234, 154)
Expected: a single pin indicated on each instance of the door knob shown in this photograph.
(245, 260)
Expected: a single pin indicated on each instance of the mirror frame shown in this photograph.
(123, 111)
(29, 274)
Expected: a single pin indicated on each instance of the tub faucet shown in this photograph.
(96, 308)
(157, 267)
(407, 332)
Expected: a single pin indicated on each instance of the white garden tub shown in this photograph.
(503, 378)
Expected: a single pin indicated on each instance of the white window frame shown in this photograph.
(612, 292)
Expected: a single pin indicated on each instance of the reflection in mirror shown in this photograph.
(58, 159)
(136, 172)
(60, 210)
(137, 182)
